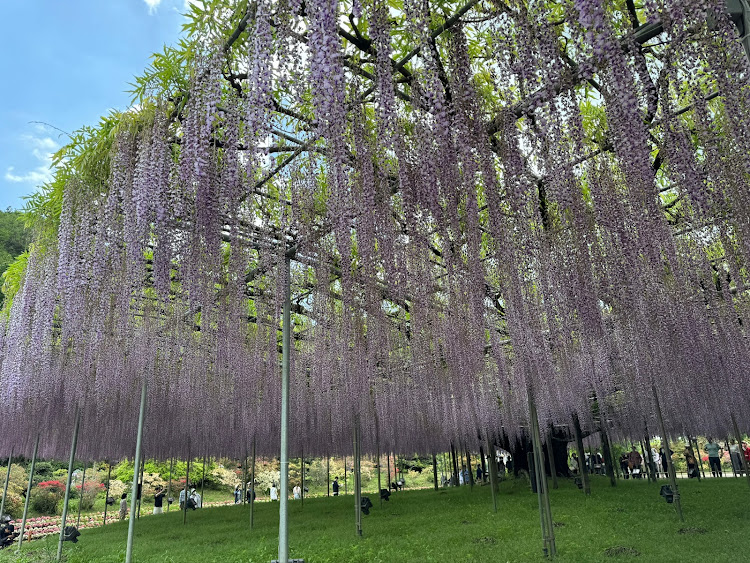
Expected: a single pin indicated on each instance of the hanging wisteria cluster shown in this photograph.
(532, 200)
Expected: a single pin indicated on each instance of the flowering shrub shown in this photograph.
(13, 504)
(45, 497)
(90, 491)
(53, 486)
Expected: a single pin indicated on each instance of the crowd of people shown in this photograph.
(633, 465)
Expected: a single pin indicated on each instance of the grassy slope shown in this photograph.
(451, 525)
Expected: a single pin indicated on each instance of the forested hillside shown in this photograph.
(14, 239)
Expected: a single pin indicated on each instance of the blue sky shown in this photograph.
(66, 63)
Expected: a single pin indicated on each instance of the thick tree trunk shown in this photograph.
(609, 466)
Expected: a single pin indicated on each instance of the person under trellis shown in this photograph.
(714, 452)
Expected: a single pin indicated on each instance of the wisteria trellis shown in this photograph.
(530, 199)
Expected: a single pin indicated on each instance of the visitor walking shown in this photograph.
(573, 465)
(634, 463)
(297, 491)
(336, 486)
(182, 498)
(625, 465)
(714, 452)
(598, 464)
(655, 461)
(159, 500)
(274, 492)
(123, 506)
(237, 494)
(479, 473)
(195, 500)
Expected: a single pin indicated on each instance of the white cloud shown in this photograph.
(152, 5)
(42, 149)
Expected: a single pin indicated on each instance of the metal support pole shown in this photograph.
(244, 478)
(252, 487)
(377, 451)
(738, 437)
(548, 533)
(645, 460)
(698, 455)
(5, 488)
(551, 452)
(357, 479)
(203, 481)
(388, 468)
(328, 474)
(67, 484)
(380, 486)
(346, 490)
(483, 462)
(169, 484)
(302, 469)
(434, 471)
(28, 493)
(395, 468)
(80, 496)
(187, 487)
(469, 469)
(582, 467)
(493, 472)
(670, 466)
(285, 355)
(140, 484)
(106, 493)
(651, 463)
(136, 465)
(454, 477)
(609, 464)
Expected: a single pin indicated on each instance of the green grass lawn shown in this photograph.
(452, 525)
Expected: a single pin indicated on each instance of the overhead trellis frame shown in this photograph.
(479, 278)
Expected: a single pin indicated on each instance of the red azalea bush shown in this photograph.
(53, 486)
(46, 496)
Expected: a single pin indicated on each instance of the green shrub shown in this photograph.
(43, 471)
(13, 505)
(91, 490)
(44, 501)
